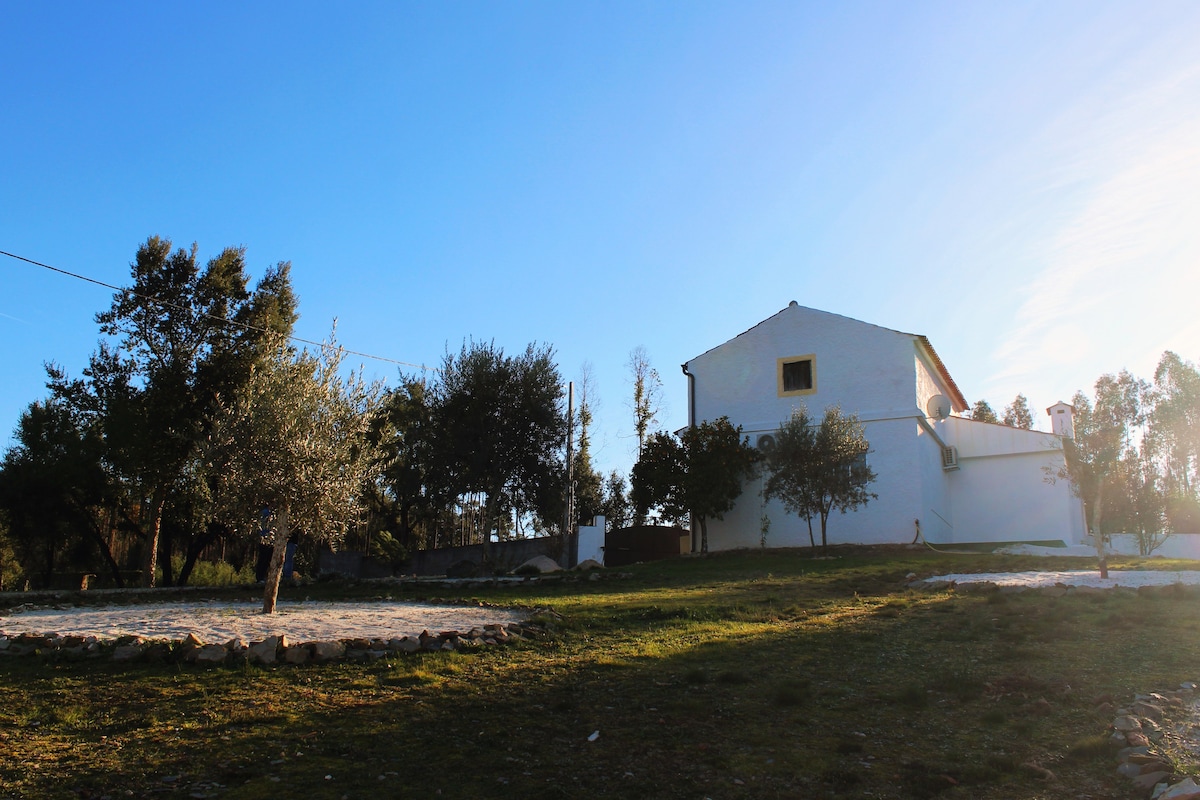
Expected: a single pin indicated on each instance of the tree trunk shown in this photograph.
(166, 548)
(275, 570)
(703, 535)
(1097, 537)
(491, 519)
(106, 554)
(195, 548)
(811, 541)
(150, 557)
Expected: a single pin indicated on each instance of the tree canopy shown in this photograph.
(499, 426)
(1102, 435)
(982, 412)
(701, 473)
(814, 470)
(297, 442)
(1017, 413)
(183, 338)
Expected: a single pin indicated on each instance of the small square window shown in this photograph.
(797, 375)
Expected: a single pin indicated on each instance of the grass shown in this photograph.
(754, 675)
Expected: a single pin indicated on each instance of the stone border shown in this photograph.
(1144, 723)
(272, 650)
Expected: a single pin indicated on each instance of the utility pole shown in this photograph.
(569, 511)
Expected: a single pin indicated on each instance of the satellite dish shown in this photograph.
(938, 406)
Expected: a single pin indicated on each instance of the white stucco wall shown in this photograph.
(868, 371)
(1177, 545)
(864, 368)
(591, 541)
(999, 494)
(887, 519)
(1006, 488)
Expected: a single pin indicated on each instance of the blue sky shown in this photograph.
(1020, 182)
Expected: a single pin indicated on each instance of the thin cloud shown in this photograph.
(1123, 270)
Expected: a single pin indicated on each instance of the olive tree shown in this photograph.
(819, 469)
(296, 441)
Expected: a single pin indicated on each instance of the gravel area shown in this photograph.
(221, 621)
(1130, 578)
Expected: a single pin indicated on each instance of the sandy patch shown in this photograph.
(222, 621)
(1130, 578)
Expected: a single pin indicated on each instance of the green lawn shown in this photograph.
(755, 675)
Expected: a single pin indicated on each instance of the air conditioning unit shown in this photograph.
(765, 443)
(949, 458)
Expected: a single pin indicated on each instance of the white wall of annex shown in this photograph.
(1007, 488)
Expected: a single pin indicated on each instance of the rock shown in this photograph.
(192, 640)
(211, 654)
(405, 645)
(327, 651)
(1184, 790)
(127, 652)
(296, 655)
(589, 564)
(158, 652)
(1147, 781)
(1127, 722)
(1137, 739)
(543, 564)
(1129, 753)
(264, 652)
(1148, 710)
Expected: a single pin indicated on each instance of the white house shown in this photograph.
(960, 480)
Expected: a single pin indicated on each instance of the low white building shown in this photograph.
(960, 480)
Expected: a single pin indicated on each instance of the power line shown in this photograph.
(222, 320)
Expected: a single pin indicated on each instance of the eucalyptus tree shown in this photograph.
(982, 412)
(817, 469)
(647, 393)
(296, 441)
(700, 473)
(1175, 422)
(1017, 413)
(1103, 434)
(588, 489)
